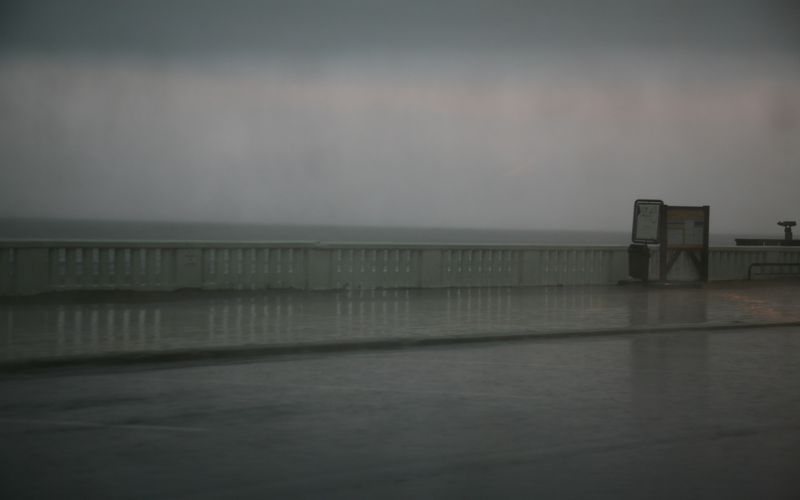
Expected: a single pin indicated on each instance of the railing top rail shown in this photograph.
(461, 246)
(284, 244)
(149, 244)
(191, 244)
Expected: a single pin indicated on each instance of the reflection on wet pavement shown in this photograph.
(37, 329)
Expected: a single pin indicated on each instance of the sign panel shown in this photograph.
(686, 226)
(646, 219)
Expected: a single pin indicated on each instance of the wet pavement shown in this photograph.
(73, 326)
(684, 414)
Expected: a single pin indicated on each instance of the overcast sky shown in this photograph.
(489, 114)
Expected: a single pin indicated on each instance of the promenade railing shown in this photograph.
(29, 267)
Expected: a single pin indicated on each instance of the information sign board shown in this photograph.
(686, 226)
(646, 221)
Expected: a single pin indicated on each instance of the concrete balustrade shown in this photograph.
(29, 267)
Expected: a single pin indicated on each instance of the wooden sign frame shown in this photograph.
(684, 230)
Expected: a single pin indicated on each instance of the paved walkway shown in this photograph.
(704, 415)
(108, 325)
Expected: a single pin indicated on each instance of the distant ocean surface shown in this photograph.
(183, 231)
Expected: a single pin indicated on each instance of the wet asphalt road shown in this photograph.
(670, 415)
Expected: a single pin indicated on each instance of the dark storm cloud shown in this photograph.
(207, 27)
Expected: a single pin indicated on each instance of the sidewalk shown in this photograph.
(109, 327)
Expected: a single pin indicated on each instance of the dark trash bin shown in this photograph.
(638, 261)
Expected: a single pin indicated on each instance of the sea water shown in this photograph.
(183, 231)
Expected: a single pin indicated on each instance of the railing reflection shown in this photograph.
(668, 307)
(202, 320)
(251, 319)
(83, 329)
(294, 317)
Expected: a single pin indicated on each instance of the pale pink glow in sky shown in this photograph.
(378, 145)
